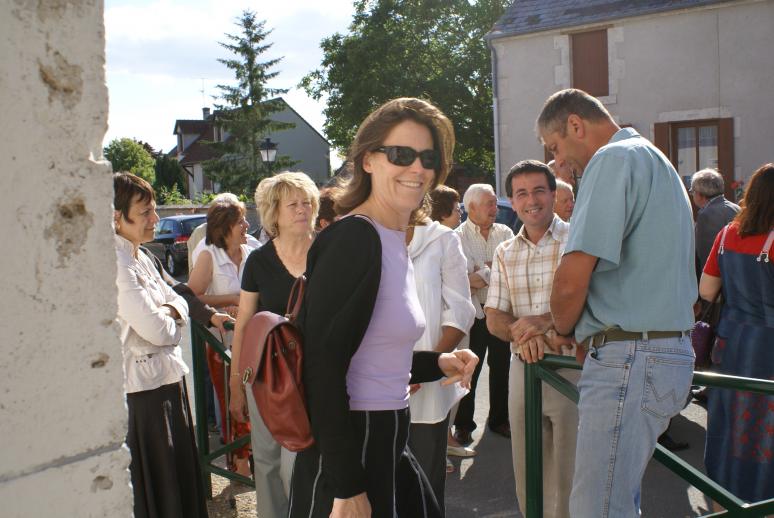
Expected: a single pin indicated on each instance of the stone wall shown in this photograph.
(61, 398)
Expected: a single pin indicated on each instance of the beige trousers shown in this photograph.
(560, 429)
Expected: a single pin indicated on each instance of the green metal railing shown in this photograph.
(544, 370)
(200, 336)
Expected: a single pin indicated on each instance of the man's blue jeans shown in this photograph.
(629, 390)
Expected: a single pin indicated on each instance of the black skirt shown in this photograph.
(395, 484)
(166, 478)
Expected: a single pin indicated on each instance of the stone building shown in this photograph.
(301, 143)
(694, 76)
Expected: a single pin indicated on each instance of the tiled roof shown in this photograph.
(527, 16)
(198, 152)
(192, 126)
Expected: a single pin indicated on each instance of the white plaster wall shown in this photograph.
(61, 397)
(525, 78)
(304, 144)
(747, 82)
(703, 63)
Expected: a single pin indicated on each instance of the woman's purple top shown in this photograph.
(380, 370)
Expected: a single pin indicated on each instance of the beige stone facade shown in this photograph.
(675, 68)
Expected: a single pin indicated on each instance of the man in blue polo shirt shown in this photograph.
(625, 288)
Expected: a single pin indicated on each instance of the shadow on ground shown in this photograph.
(483, 486)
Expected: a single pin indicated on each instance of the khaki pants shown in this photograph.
(560, 430)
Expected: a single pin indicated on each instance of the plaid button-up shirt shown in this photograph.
(523, 272)
(479, 251)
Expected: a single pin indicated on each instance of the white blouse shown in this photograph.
(440, 271)
(148, 335)
(226, 277)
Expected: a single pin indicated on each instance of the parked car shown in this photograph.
(505, 214)
(170, 240)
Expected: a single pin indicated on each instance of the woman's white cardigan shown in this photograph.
(149, 336)
(441, 274)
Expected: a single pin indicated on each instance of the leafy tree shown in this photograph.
(169, 173)
(248, 105)
(129, 155)
(171, 196)
(434, 49)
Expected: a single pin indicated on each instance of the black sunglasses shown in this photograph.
(403, 156)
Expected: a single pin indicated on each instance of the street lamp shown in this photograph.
(268, 152)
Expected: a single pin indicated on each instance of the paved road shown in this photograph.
(483, 486)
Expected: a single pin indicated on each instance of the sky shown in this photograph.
(161, 54)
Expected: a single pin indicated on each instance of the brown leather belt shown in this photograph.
(618, 335)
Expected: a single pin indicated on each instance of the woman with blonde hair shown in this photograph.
(361, 318)
(287, 203)
(215, 279)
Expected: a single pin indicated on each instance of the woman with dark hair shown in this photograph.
(361, 318)
(445, 206)
(740, 424)
(215, 279)
(327, 214)
(164, 469)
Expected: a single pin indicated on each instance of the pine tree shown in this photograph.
(244, 116)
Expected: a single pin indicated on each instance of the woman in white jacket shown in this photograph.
(441, 277)
(164, 468)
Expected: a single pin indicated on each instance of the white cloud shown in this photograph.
(158, 52)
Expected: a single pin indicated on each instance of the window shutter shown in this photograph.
(726, 154)
(589, 62)
(661, 138)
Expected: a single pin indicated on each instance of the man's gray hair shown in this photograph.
(558, 108)
(708, 182)
(561, 184)
(475, 191)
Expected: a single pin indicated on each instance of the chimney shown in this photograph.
(205, 113)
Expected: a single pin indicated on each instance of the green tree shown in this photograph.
(245, 114)
(130, 156)
(434, 49)
(169, 173)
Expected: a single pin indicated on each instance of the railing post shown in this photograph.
(199, 361)
(533, 435)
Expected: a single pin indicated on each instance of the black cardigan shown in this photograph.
(344, 270)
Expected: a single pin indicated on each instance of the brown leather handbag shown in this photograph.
(272, 360)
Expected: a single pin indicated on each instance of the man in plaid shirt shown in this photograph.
(517, 310)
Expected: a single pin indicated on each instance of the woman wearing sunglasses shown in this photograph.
(360, 320)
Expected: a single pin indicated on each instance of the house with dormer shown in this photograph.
(694, 76)
(301, 143)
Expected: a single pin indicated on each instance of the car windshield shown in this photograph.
(190, 224)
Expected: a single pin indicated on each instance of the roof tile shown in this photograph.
(528, 16)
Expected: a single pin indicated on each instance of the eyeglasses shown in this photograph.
(403, 156)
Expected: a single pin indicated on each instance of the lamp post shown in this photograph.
(268, 153)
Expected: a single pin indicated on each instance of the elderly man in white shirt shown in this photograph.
(480, 236)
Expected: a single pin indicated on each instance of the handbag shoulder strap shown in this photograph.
(295, 299)
(764, 255)
(723, 239)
